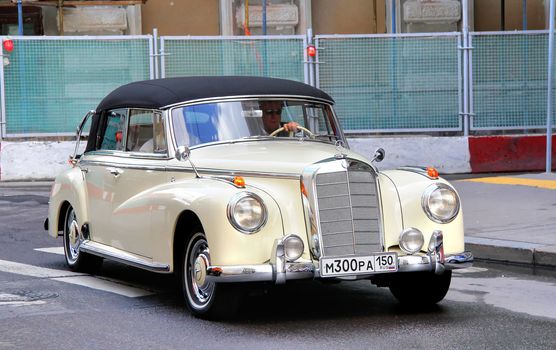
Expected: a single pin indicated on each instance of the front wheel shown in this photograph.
(76, 259)
(203, 298)
(420, 289)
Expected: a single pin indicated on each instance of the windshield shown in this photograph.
(223, 121)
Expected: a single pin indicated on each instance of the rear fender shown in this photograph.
(69, 187)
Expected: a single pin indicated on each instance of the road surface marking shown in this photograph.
(80, 279)
(105, 285)
(17, 300)
(52, 250)
(502, 180)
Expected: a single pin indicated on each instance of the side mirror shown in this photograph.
(378, 156)
(183, 153)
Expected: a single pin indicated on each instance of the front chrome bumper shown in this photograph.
(278, 270)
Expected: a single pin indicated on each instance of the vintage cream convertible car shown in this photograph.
(196, 176)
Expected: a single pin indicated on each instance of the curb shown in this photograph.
(26, 184)
(512, 251)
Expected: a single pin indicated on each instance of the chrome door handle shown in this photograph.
(115, 171)
(85, 170)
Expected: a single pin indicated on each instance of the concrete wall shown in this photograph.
(39, 160)
(33, 160)
(448, 154)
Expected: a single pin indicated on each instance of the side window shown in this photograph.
(146, 132)
(159, 135)
(114, 132)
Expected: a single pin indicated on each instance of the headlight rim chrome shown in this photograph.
(231, 207)
(425, 199)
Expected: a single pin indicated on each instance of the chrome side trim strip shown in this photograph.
(209, 171)
(203, 171)
(122, 166)
(120, 256)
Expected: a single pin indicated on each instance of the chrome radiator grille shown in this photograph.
(348, 213)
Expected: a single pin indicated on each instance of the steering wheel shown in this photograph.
(305, 130)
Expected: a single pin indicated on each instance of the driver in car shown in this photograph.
(272, 117)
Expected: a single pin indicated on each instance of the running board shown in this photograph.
(118, 255)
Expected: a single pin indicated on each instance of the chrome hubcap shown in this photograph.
(73, 237)
(199, 259)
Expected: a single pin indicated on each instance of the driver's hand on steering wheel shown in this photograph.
(290, 127)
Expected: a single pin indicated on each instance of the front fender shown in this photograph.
(208, 199)
(410, 187)
(69, 187)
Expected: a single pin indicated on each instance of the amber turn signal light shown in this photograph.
(239, 181)
(432, 172)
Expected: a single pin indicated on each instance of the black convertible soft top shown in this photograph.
(159, 93)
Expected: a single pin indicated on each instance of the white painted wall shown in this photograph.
(40, 160)
(33, 160)
(450, 155)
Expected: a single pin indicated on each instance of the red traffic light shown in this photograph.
(311, 51)
(8, 45)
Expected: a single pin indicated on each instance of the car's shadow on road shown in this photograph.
(267, 304)
(314, 301)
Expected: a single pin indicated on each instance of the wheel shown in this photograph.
(418, 289)
(76, 259)
(204, 299)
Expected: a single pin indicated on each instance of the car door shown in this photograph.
(133, 181)
(96, 166)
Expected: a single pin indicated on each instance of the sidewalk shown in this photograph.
(510, 218)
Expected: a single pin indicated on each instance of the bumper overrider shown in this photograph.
(279, 270)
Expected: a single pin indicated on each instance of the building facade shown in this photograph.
(283, 17)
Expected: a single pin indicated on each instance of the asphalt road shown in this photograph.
(43, 306)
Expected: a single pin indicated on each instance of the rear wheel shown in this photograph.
(420, 289)
(205, 299)
(76, 259)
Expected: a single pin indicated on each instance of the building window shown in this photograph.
(32, 20)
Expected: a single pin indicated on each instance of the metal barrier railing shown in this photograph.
(269, 56)
(50, 81)
(389, 83)
(392, 83)
(509, 80)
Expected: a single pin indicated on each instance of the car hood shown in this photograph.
(268, 156)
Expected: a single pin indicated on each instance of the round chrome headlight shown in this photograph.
(247, 212)
(293, 247)
(411, 240)
(441, 203)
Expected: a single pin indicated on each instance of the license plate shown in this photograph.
(358, 265)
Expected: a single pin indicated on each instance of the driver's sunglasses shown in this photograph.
(273, 111)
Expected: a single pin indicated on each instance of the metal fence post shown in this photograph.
(466, 73)
(155, 53)
(549, 92)
(2, 94)
(470, 107)
(310, 60)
